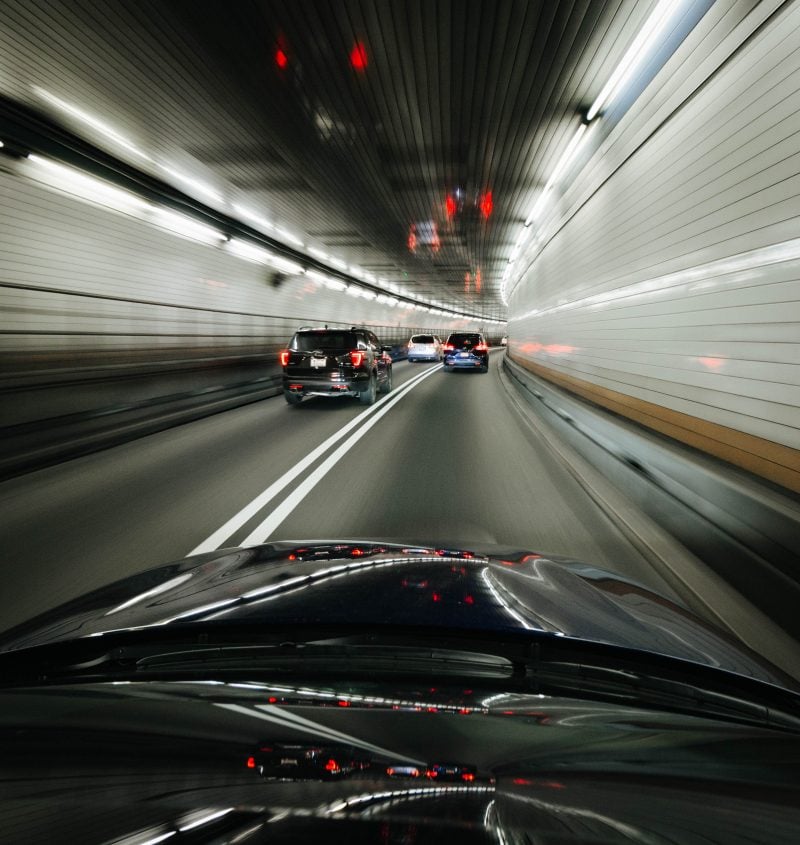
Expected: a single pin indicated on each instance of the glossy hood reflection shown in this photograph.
(383, 584)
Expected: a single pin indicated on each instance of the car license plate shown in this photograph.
(463, 354)
(318, 363)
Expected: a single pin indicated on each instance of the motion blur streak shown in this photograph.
(274, 714)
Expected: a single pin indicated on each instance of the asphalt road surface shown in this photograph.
(444, 457)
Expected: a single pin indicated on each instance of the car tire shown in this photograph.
(292, 398)
(368, 396)
(387, 384)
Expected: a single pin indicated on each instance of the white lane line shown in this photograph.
(283, 510)
(216, 540)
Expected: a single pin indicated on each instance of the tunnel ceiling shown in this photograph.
(408, 138)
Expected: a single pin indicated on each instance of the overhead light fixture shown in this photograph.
(281, 263)
(252, 217)
(288, 236)
(180, 224)
(91, 121)
(86, 187)
(636, 53)
(561, 166)
(249, 251)
(194, 184)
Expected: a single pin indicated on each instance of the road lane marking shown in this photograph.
(215, 540)
(265, 529)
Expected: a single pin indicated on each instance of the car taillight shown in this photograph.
(449, 347)
(356, 358)
(481, 347)
(284, 356)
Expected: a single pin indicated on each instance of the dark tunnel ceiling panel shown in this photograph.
(469, 95)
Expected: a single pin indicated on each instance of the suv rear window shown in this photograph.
(309, 341)
(461, 339)
(423, 338)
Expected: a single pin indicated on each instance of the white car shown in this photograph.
(424, 347)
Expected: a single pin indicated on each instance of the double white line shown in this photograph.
(279, 514)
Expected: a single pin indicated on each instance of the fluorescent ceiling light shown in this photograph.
(186, 226)
(284, 264)
(318, 253)
(86, 187)
(195, 184)
(561, 166)
(250, 252)
(93, 122)
(252, 217)
(637, 52)
(288, 236)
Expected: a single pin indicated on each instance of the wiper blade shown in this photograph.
(511, 662)
(323, 659)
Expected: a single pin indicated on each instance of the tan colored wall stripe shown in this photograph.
(777, 463)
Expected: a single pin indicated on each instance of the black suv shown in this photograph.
(335, 362)
(466, 350)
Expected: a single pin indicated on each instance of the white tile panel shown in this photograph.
(670, 270)
(76, 275)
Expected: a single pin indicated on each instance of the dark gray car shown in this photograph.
(335, 362)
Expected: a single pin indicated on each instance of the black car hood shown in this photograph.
(373, 584)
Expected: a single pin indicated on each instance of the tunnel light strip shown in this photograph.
(289, 236)
(191, 182)
(562, 164)
(86, 187)
(640, 48)
(95, 190)
(636, 53)
(182, 225)
(693, 278)
(94, 122)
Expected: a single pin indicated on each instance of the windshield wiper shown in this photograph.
(512, 662)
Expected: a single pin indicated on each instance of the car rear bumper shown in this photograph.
(330, 385)
(470, 363)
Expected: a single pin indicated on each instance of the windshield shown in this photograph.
(596, 208)
(309, 341)
(278, 564)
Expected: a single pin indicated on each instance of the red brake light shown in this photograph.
(449, 347)
(358, 56)
(357, 358)
(284, 356)
(331, 766)
(251, 762)
(481, 347)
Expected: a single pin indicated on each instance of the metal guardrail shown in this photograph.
(743, 528)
